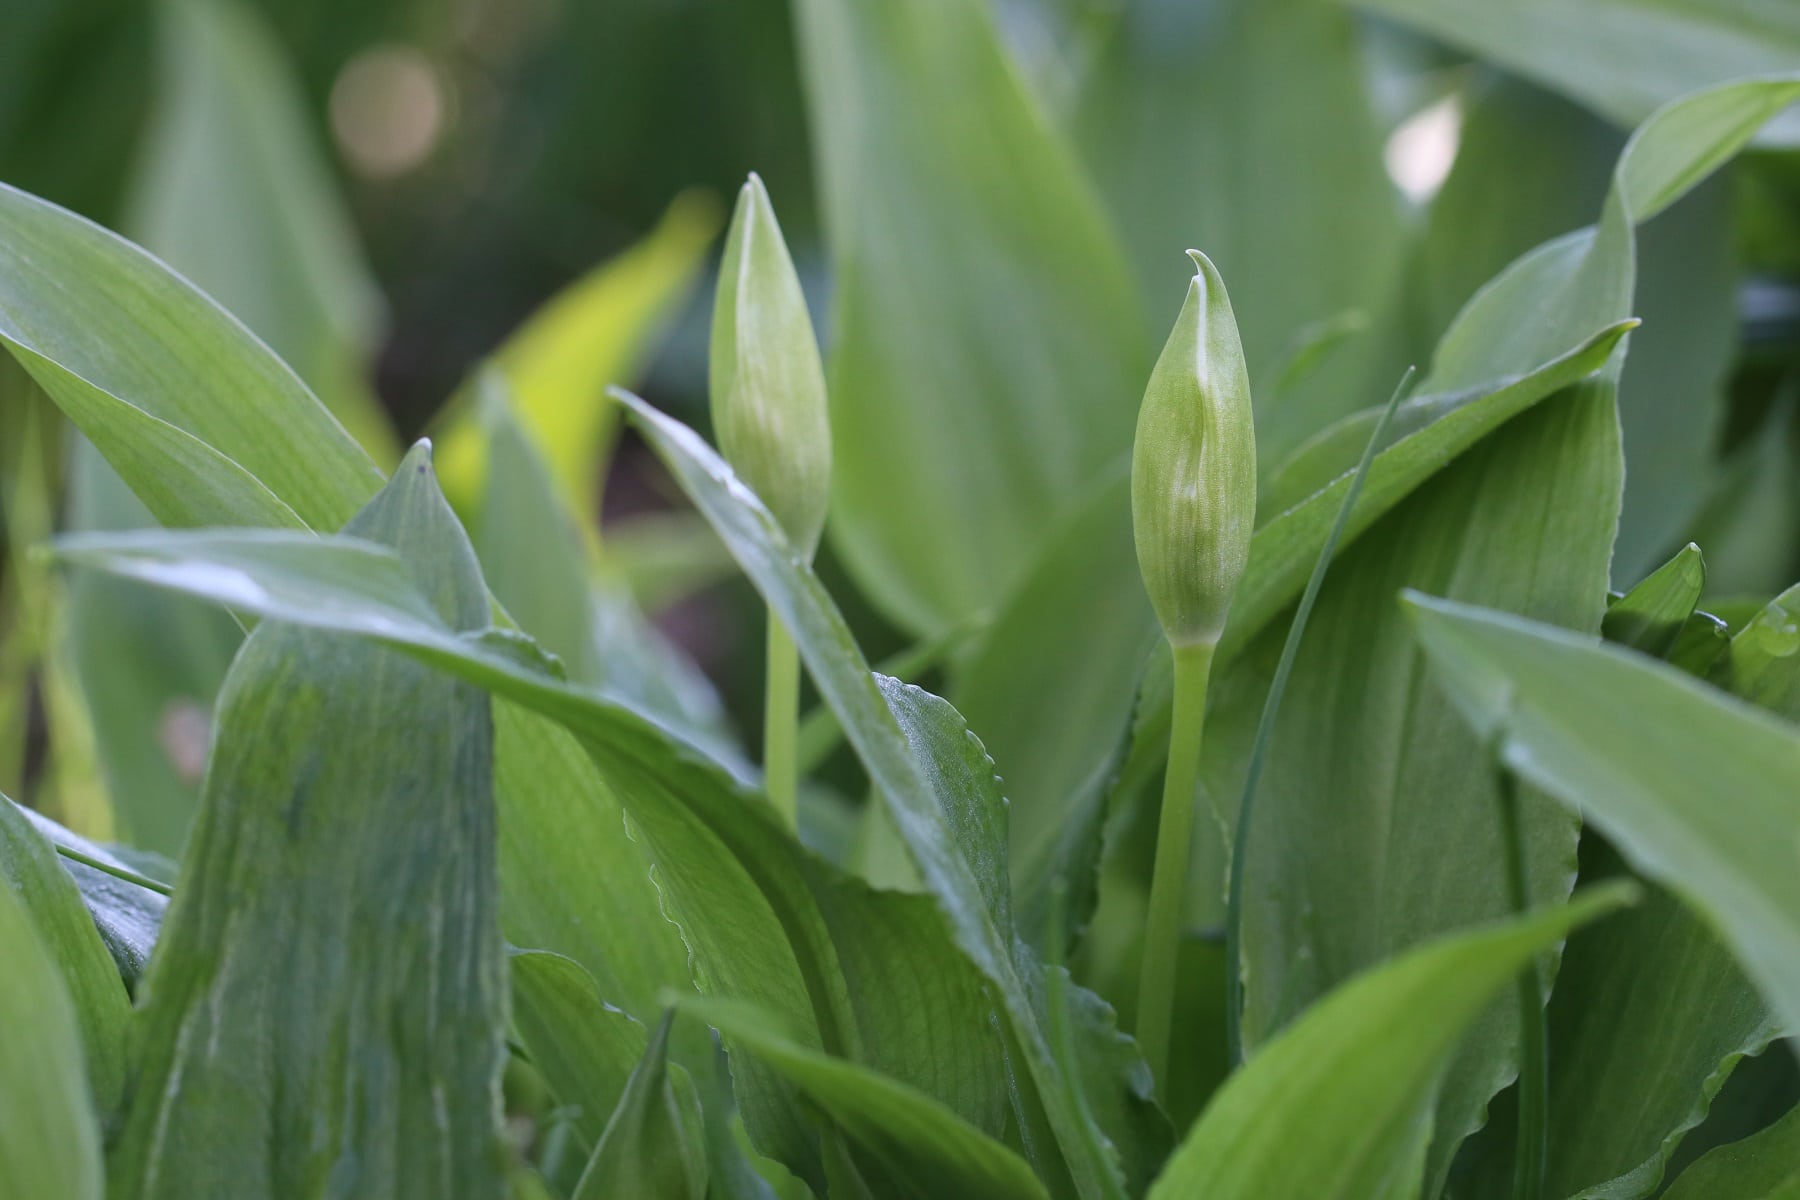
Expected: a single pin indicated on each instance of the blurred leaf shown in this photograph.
(924, 1148)
(346, 1039)
(600, 330)
(235, 194)
(1764, 1166)
(1175, 118)
(1750, 524)
(663, 557)
(1655, 51)
(1651, 615)
(185, 387)
(1340, 1103)
(1707, 806)
(49, 1136)
(1762, 662)
(30, 865)
(987, 345)
(652, 1145)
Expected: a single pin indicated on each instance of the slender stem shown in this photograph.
(781, 718)
(1534, 1043)
(1174, 838)
(88, 860)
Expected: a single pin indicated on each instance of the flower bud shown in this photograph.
(767, 383)
(1193, 467)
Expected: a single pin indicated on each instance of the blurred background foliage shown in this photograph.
(386, 191)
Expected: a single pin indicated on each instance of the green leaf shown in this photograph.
(763, 919)
(1762, 662)
(1706, 805)
(1764, 1166)
(597, 331)
(235, 194)
(130, 345)
(346, 1039)
(1340, 1103)
(30, 865)
(1651, 615)
(1656, 50)
(744, 929)
(1177, 103)
(127, 916)
(987, 336)
(106, 329)
(930, 822)
(652, 1143)
(1408, 845)
(148, 669)
(49, 1137)
(924, 1148)
(585, 1048)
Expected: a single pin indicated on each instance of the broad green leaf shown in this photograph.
(1655, 50)
(535, 558)
(988, 348)
(235, 194)
(1762, 662)
(747, 898)
(922, 1147)
(148, 668)
(1056, 719)
(929, 820)
(49, 1135)
(1408, 846)
(127, 916)
(130, 345)
(1649, 1016)
(1031, 672)
(585, 1048)
(1175, 116)
(104, 326)
(1377, 824)
(30, 866)
(652, 1144)
(345, 1037)
(1706, 805)
(598, 331)
(1764, 1166)
(1651, 615)
(1340, 1103)
(877, 973)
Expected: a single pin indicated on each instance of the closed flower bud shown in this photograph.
(767, 383)
(1193, 467)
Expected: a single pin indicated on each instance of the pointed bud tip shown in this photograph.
(419, 457)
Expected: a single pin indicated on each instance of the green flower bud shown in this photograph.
(1193, 467)
(767, 383)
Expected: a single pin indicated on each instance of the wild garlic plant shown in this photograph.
(1278, 792)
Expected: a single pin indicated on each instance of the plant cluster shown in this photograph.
(1303, 814)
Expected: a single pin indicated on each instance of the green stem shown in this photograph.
(781, 718)
(1174, 838)
(88, 860)
(1534, 1049)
